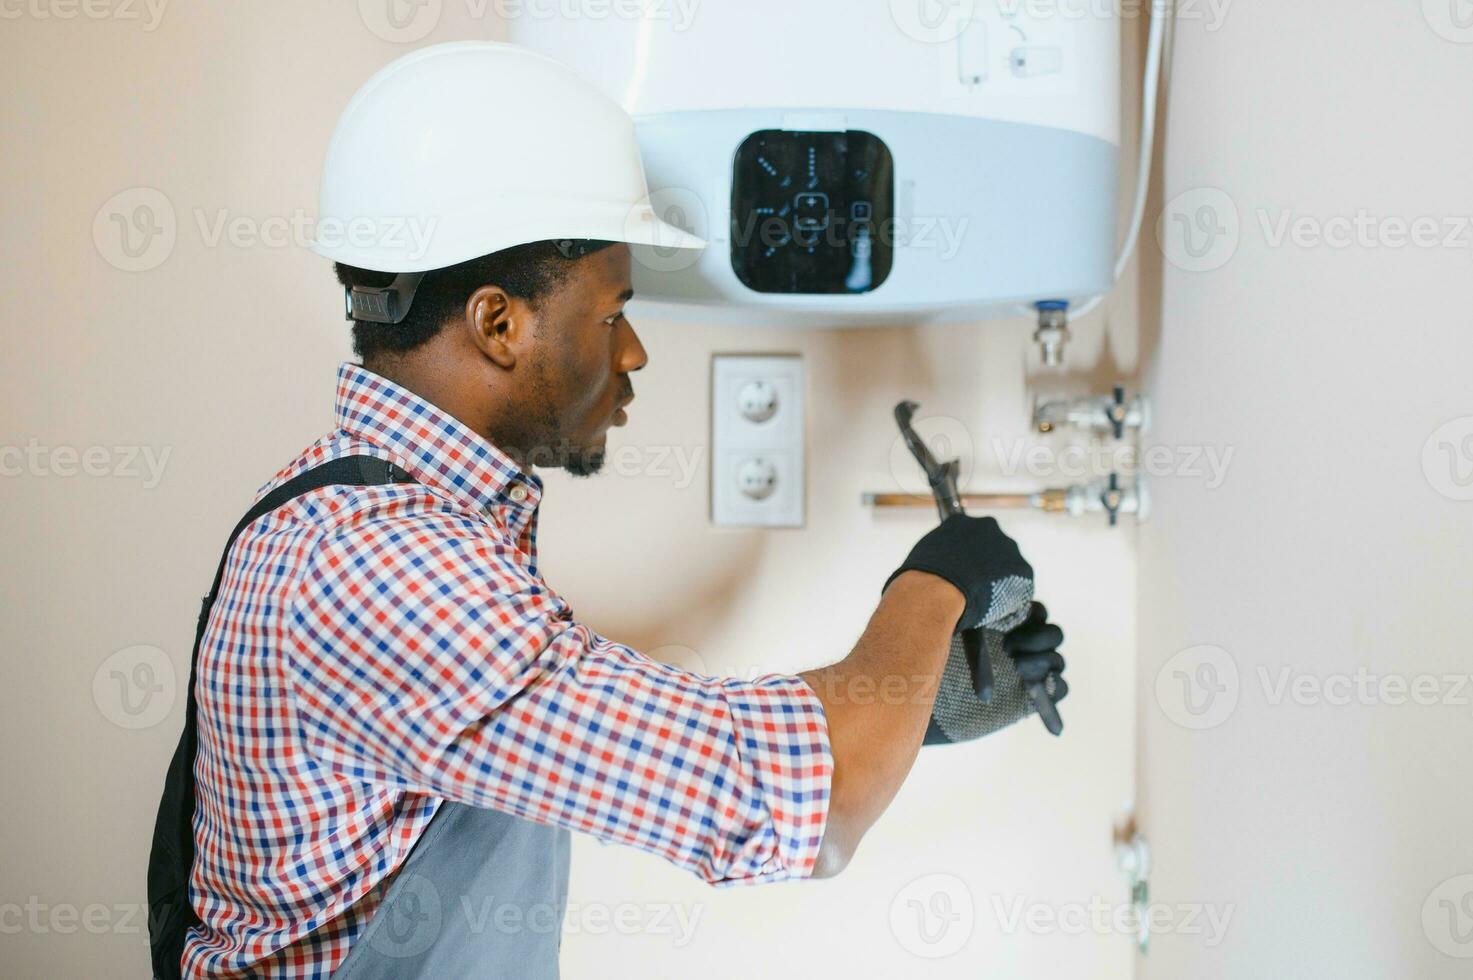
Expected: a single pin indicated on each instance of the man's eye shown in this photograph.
(611, 321)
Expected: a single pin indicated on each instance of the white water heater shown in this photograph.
(858, 162)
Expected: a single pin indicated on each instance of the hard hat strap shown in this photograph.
(382, 304)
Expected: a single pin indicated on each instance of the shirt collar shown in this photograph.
(438, 450)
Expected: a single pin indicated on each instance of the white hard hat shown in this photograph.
(459, 150)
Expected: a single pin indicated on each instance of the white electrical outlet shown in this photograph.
(757, 441)
(757, 478)
(758, 400)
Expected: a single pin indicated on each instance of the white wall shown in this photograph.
(224, 356)
(1331, 549)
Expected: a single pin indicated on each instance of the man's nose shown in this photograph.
(631, 354)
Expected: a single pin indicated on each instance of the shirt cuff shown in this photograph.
(783, 737)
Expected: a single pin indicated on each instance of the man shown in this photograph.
(396, 713)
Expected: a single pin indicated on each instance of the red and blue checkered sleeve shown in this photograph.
(427, 658)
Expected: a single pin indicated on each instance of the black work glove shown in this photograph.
(973, 554)
(1029, 674)
(1034, 647)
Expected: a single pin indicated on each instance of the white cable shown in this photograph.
(1162, 14)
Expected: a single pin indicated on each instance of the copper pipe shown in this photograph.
(1052, 501)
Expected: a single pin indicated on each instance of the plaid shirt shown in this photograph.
(376, 651)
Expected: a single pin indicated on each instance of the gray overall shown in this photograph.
(482, 894)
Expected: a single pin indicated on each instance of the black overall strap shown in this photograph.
(171, 858)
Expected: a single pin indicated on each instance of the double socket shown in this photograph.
(757, 440)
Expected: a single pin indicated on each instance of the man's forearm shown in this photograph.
(877, 701)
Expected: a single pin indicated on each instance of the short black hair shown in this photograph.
(528, 272)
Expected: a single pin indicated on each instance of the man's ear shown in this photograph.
(500, 325)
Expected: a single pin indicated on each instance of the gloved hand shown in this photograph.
(973, 554)
(1034, 647)
(1029, 672)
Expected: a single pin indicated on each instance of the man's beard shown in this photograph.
(585, 463)
(539, 440)
(536, 452)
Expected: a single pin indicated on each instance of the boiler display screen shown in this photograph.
(812, 212)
